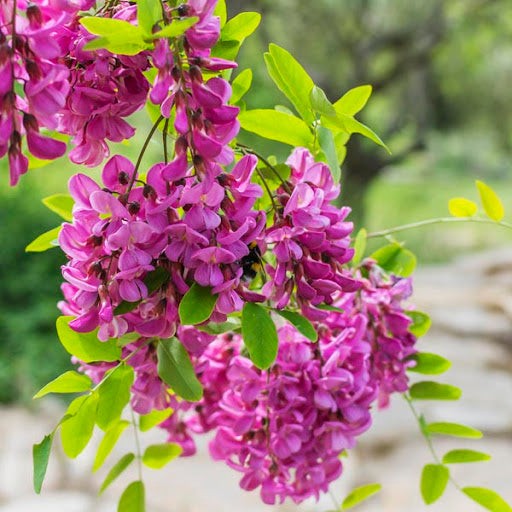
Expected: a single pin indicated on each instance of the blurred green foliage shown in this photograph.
(441, 72)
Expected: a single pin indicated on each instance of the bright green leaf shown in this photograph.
(354, 100)
(487, 498)
(320, 103)
(291, 79)
(302, 324)
(395, 259)
(359, 246)
(117, 469)
(429, 390)
(154, 418)
(76, 431)
(41, 456)
(149, 13)
(69, 382)
(429, 364)
(221, 12)
(464, 456)
(259, 334)
(117, 43)
(241, 84)
(86, 346)
(133, 498)
(114, 394)
(274, 125)
(420, 323)
(354, 126)
(157, 456)
(434, 479)
(175, 369)
(46, 241)
(490, 201)
(197, 305)
(61, 204)
(328, 146)
(462, 207)
(108, 442)
(454, 430)
(176, 28)
(107, 26)
(241, 26)
(220, 328)
(360, 494)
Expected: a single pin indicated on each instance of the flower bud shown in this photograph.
(30, 122)
(34, 15)
(133, 207)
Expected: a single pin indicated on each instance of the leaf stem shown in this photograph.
(137, 444)
(431, 222)
(267, 188)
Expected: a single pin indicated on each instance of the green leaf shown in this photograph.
(454, 430)
(127, 338)
(241, 26)
(241, 84)
(133, 498)
(69, 382)
(328, 307)
(226, 50)
(176, 28)
(274, 125)
(433, 482)
(320, 103)
(175, 369)
(487, 498)
(116, 43)
(490, 201)
(464, 456)
(221, 12)
(153, 281)
(359, 246)
(360, 494)
(462, 207)
(303, 325)
(354, 100)
(108, 442)
(154, 418)
(107, 26)
(429, 364)
(157, 456)
(291, 79)
(86, 346)
(259, 334)
(76, 431)
(61, 204)
(395, 259)
(117, 469)
(429, 390)
(420, 323)
(352, 125)
(41, 456)
(220, 328)
(149, 12)
(328, 146)
(197, 305)
(114, 394)
(46, 241)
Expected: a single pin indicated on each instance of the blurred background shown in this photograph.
(441, 74)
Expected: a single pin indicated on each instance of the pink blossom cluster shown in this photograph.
(106, 89)
(30, 60)
(310, 239)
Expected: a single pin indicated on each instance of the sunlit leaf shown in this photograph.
(46, 241)
(61, 204)
(421, 323)
(464, 456)
(359, 246)
(429, 390)
(117, 469)
(462, 207)
(434, 479)
(328, 146)
(157, 456)
(69, 382)
(360, 494)
(395, 259)
(176, 28)
(320, 103)
(487, 498)
(453, 429)
(490, 201)
(41, 456)
(108, 442)
(354, 100)
(429, 364)
(240, 85)
(133, 498)
(154, 418)
(303, 325)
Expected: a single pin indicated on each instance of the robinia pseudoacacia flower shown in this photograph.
(215, 291)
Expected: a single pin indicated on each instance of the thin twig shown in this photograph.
(265, 184)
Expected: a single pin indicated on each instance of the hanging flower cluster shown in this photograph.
(235, 316)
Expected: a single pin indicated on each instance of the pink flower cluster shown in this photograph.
(30, 59)
(310, 240)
